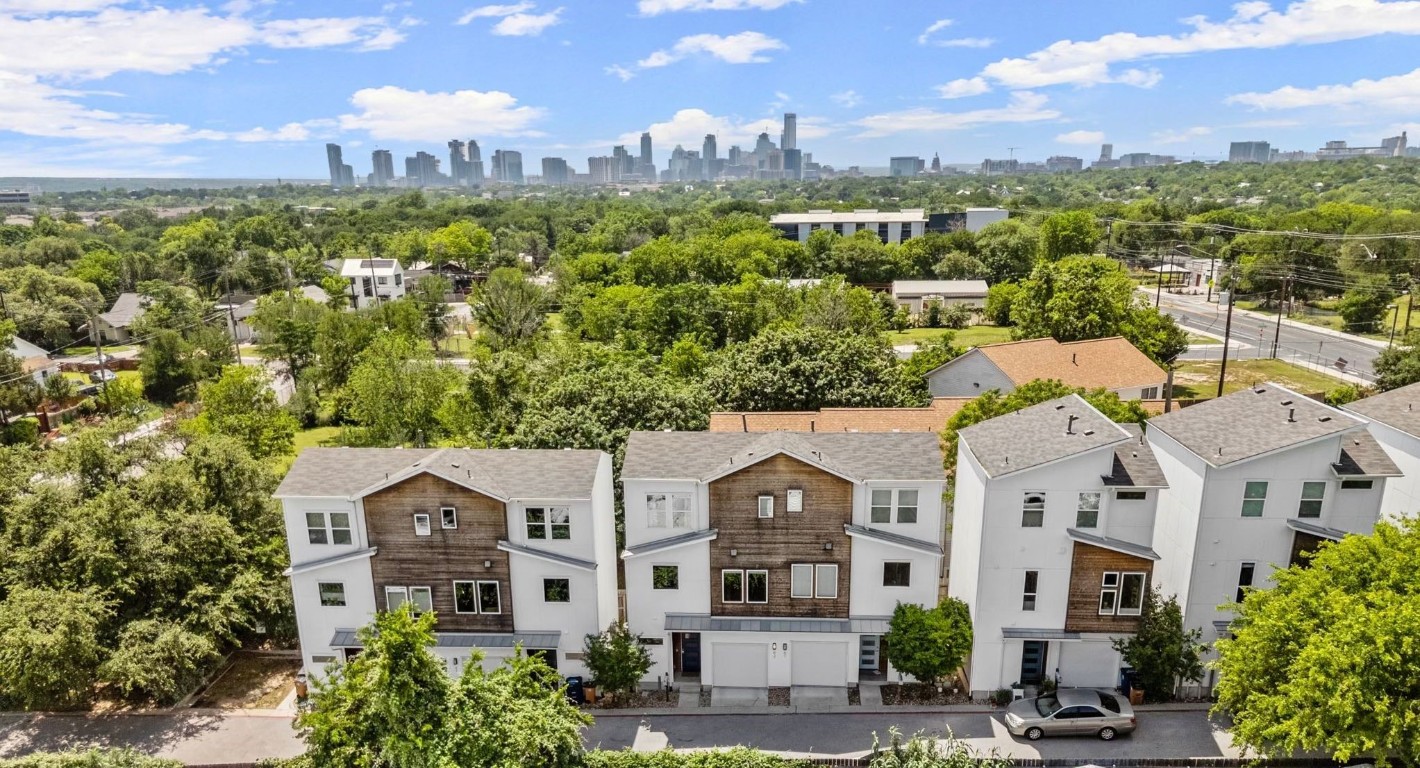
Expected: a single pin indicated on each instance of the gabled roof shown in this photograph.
(944, 288)
(349, 473)
(1362, 456)
(1398, 409)
(1135, 465)
(314, 293)
(859, 456)
(1056, 429)
(126, 308)
(1111, 363)
(1252, 422)
(369, 267)
(25, 350)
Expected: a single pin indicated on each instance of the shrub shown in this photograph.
(94, 758)
(616, 659)
(739, 757)
(956, 316)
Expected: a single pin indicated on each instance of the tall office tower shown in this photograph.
(733, 156)
(936, 163)
(508, 166)
(475, 164)
(411, 172)
(426, 169)
(793, 163)
(337, 165)
(1249, 152)
(602, 170)
(708, 157)
(554, 170)
(789, 139)
(383, 163)
(762, 145)
(646, 163)
(905, 166)
(458, 163)
(1106, 153)
(624, 163)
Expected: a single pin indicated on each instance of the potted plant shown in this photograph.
(1017, 690)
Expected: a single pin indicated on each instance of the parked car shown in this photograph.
(102, 375)
(1071, 712)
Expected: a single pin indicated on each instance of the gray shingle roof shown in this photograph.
(929, 547)
(1039, 435)
(126, 308)
(1362, 455)
(670, 542)
(1250, 423)
(524, 474)
(859, 455)
(1397, 409)
(1135, 465)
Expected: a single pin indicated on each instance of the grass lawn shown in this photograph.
(1200, 378)
(456, 346)
(1336, 323)
(305, 438)
(108, 349)
(973, 336)
(553, 322)
(1194, 338)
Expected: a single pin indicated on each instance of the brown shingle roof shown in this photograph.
(1111, 363)
(930, 419)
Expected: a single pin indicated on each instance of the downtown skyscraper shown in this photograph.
(383, 162)
(341, 175)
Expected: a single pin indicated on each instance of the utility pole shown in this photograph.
(1393, 320)
(99, 345)
(1227, 337)
(1281, 308)
(1159, 292)
(1409, 304)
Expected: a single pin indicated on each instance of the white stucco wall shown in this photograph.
(868, 596)
(576, 618)
(646, 608)
(968, 376)
(317, 623)
(1402, 494)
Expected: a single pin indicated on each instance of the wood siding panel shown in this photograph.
(437, 560)
(1087, 567)
(786, 539)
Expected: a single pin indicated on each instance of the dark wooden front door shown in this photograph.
(687, 653)
(1033, 655)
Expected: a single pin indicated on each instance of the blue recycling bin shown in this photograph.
(575, 692)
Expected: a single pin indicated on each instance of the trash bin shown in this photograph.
(1136, 696)
(302, 689)
(575, 693)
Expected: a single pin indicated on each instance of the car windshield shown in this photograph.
(1109, 702)
(1047, 705)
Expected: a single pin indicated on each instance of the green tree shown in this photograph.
(518, 715)
(167, 367)
(340, 338)
(1073, 298)
(616, 659)
(1364, 306)
(18, 392)
(397, 388)
(960, 266)
(287, 325)
(1072, 233)
(1318, 662)
(805, 369)
(1000, 298)
(1161, 651)
(198, 248)
(463, 243)
(1399, 365)
(242, 405)
(1008, 249)
(928, 751)
(94, 758)
(509, 310)
(428, 294)
(50, 646)
(1155, 333)
(929, 643)
(158, 659)
(834, 305)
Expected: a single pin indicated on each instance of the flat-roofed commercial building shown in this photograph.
(891, 226)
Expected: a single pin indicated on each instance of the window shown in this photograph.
(668, 508)
(881, 511)
(315, 528)
(337, 533)
(1131, 594)
(549, 523)
(476, 597)
(1357, 485)
(732, 586)
(1028, 594)
(795, 501)
(422, 598)
(756, 586)
(907, 506)
(395, 597)
(421, 525)
(1033, 510)
(340, 528)
(665, 577)
(801, 581)
(1312, 496)
(1131, 495)
(766, 506)
(1254, 498)
(885, 500)
(399, 279)
(382, 280)
(897, 574)
(1245, 574)
(1109, 593)
(322, 660)
(825, 581)
(557, 590)
(332, 594)
(449, 516)
(1087, 512)
(1149, 393)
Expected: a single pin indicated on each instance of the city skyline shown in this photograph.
(172, 88)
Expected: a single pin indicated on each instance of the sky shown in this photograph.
(255, 88)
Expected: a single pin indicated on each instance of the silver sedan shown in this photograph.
(1071, 712)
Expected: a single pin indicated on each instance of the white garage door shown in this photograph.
(819, 663)
(740, 665)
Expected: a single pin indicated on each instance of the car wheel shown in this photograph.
(1034, 734)
(1107, 734)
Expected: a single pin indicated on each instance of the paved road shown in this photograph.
(193, 737)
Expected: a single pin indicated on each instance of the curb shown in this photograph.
(1315, 328)
(961, 709)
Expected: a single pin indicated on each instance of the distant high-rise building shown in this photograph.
(793, 163)
(789, 139)
(383, 162)
(508, 166)
(762, 145)
(1063, 164)
(733, 157)
(646, 162)
(1249, 152)
(422, 170)
(1106, 153)
(341, 175)
(458, 163)
(709, 157)
(475, 164)
(625, 164)
(990, 167)
(602, 170)
(554, 170)
(905, 166)
(411, 172)
(936, 163)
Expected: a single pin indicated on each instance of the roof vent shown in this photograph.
(454, 464)
(1089, 432)
(1291, 415)
(1323, 419)
(1058, 407)
(1286, 402)
(1220, 450)
(1070, 425)
(1072, 359)
(1259, 390)
(1408, 407)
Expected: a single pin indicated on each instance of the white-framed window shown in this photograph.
(732, 586)
(477, 597)
(881, 509)
(1029, 592)
(382, 280)
(665, 577)
(549, 522)
(794, 501)
(557, 590)
(422, 598)
(887, 503)
(322, 660)
(1149, 393)
(1087, 511)
(1033, 509)
(1254, 498)
(766, 505)
(395, 597)
(897, 574)
(757, 586)
(826, 581)
(801, 580)
(1122, 593)
(449, 517)
(1245, 575)
(421, 525)
(1313, 494)
(668, 509)
(332, 594)
(333, 528)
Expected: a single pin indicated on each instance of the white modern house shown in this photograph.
(890, 226)
(1394, 421)
(1051, 546)
(508, 547)
(916, 294)
(776, 559)
(373, 280)
(1110, 363)
(1256, 480)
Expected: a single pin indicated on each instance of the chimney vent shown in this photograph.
(1072, 359)
(1070, 425)
(1291, 415)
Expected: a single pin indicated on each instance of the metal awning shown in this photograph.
(1312, 529)
(349, 638)
(672, 542)
(699, 622)
(552, 557)
(316, 565)
(1024, 633)
(895, 539)
(1115, 545)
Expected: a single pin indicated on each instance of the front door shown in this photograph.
(869, 650)
(688, 658)
(1033, 654)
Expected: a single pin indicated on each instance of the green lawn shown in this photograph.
(1336, 323)
(108, 349)
(1194, 338)
(973, 336)
(554, 322)
(1200, 378)
(306, 438)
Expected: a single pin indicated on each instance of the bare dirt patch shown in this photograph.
(252, 681)
(921, 694)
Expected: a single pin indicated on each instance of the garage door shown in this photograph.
(740, 665)
(818, 663)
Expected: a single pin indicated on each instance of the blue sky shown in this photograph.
(254, 88)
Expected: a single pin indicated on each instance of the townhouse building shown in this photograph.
(1052, 543)
(508, 548)
(776, 559)
(1394, 421)
(1112, 363)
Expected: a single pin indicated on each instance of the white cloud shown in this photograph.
(849, 98)
(688, 128)
(1253, 25)
(366, 33)
(29, 7)
(744, 48)
(936, 26)
(967, 42)
(394, 113)
(1182, 136)
(526, 24)
(654, 7)
(1081, 137)
(620, 71)
(494, 11)
(287, 132)
(1398, 92)
(961, 88)
(1023, 107)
